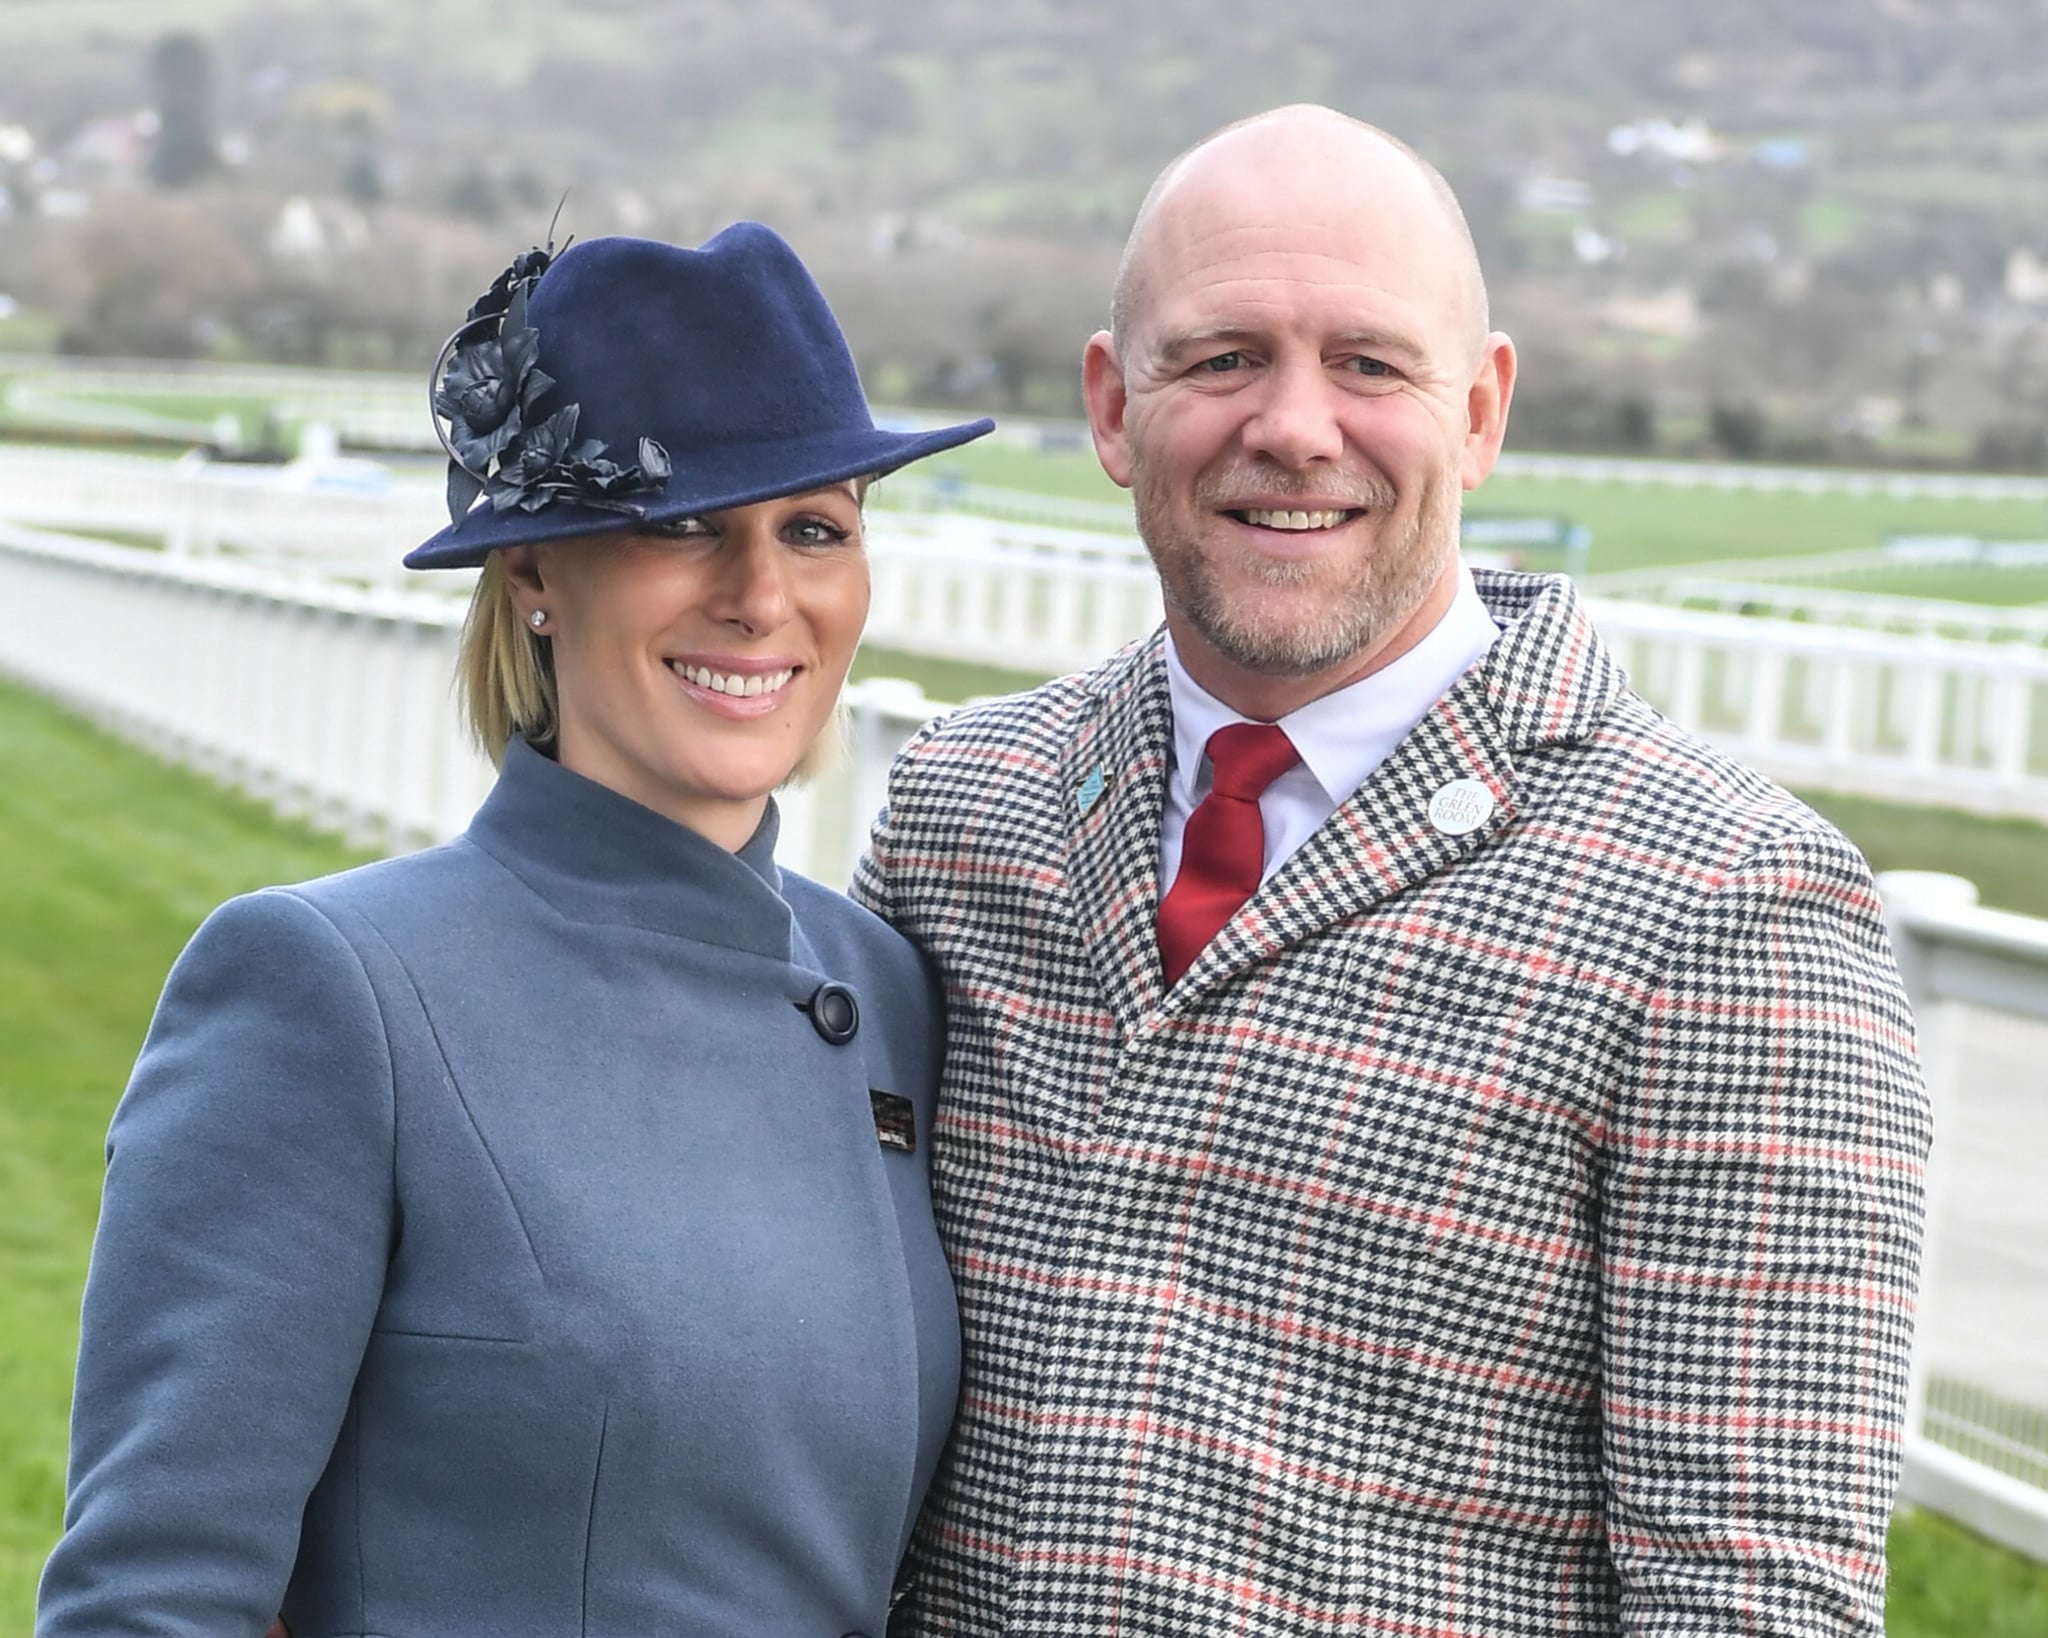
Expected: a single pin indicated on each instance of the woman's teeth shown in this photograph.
(1294, 520)
(720, 683)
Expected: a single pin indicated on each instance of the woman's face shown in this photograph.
(695, 664)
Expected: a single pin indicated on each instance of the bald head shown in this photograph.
(1334, 163)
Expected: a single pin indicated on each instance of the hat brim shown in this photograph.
(705, 481)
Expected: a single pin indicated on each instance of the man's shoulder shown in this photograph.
(1645, 782)
(1604, 765)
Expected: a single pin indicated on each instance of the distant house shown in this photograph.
(113, 149)
(2026, 278)
(1673, 314)
(1592, 247)
(309, 229)
(1554, 196)
(1691, 142)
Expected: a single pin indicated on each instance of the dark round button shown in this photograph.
(834, 1013)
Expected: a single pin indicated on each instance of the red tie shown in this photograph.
(1224, 847)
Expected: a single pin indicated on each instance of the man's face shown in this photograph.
(1296, 422)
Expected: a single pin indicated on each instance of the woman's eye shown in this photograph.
(679, 529)
(1222, 363)
(816, 532)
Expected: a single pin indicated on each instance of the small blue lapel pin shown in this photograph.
(1090, 791)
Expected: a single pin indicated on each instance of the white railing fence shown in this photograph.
(1859, 711)
(199, 509)
(919, 491)
(967, 589)
(333, 703)
(1635, 472)
(1869, 713)
(1977, 1435)
(1869, 611)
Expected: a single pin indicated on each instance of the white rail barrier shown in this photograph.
(1871, 611)
(964, 591)
(1872, 713)
(333, 703)
(1778, 480)
(920, 492)
(200, 509)
(1908, 719)
(1977, 1437)
(329, 702)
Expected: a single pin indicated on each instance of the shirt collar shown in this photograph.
(1344, 735)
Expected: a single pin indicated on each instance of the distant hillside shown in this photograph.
(1814, 230)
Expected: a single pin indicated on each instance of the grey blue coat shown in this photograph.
(493, 1244)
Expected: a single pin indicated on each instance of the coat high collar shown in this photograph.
(597, 856)
(1547, 681)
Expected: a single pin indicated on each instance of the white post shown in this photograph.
(1764, 721)
(1935, 1024)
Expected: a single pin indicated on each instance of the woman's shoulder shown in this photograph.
(353, 917)
(409, 879)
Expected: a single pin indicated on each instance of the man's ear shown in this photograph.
(1486, 410)
(1102, 389)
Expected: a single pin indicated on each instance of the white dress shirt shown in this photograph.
(1342, 737)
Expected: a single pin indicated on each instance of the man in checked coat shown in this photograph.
(1508, 1221)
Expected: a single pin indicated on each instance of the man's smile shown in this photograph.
(1295, 519)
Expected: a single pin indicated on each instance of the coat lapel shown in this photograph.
(1112, 791)
(1546, 681)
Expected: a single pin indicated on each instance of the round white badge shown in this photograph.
(1460, 807)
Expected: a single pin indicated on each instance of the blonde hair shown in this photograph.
(504, 672)
(505, 678)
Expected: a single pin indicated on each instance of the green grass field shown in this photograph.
(108, 860)
(1635, 528)
(1643, 527)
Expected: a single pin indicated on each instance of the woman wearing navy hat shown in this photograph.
(531, 1235)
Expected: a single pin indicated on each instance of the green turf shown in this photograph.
(2007, 588)
(1071, 472)
(183, 406)
(2006, 858)
(107, 862)
(946, 682)
(1948, 1583)
(1637, 527)
(26, 330)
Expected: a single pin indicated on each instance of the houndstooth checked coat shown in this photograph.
(1503, 1233)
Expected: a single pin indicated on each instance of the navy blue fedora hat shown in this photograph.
(628, 382)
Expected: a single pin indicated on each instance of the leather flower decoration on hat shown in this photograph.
(496, 447)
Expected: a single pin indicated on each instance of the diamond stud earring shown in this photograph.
(537, 619)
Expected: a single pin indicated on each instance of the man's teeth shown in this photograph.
(1294, 520)
(719, 683)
